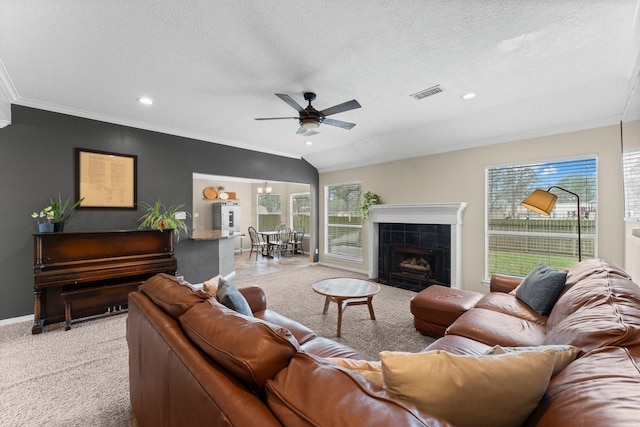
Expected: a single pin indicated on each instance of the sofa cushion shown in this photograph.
(251, 349)
(601, 388)
(175, 296)
(470, 391)
(496, 328)
(230, 297)
(334, 397)
(564, 354)
(371, 370)
(511, 305)
(301, 332)
(541, 288)
(324, 347)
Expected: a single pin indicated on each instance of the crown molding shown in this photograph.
(25, 102)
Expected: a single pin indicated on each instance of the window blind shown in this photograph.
(631, 173)
(269, 211)
(301, 211)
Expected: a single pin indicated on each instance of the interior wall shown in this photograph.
(37, 162)
(460, 177)
(631, 138)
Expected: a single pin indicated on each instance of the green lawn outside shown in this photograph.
(519, 264)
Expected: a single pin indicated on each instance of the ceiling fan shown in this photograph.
(310, 118)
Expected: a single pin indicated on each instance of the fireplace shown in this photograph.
(429, 232)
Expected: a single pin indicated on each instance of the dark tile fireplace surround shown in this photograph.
(414, 256)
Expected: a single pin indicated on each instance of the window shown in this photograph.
(343, 234)
(269, 211)
(301, 211)
(518, 239)
(631, 172)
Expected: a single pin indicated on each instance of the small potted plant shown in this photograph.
(44, 218)
(369, 198)
(53, 217)
(159, 217)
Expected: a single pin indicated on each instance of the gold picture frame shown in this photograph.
(106, 180)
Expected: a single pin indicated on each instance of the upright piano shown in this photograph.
(81, 274)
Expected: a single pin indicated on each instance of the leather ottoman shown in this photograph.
(437, 307)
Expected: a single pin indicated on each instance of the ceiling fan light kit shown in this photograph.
(310, 118)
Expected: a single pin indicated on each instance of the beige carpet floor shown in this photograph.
(80, 377)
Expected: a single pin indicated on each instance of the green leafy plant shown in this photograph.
(369, 198)
(57, 211)
(159, 217)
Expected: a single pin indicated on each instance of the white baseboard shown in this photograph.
(11, 321)
(340, 267)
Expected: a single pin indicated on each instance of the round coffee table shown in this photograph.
(345, 292)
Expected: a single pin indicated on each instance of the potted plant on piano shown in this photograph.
(53, 217)
(159, 217)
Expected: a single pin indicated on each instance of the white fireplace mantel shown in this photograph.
(424, 213)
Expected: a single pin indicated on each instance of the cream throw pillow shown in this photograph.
(211, 286)
(564, 354)
(470, 391)
(368, 369)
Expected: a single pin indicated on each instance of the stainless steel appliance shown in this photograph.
(226, 216)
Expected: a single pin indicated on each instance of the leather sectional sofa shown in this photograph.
(194, 362)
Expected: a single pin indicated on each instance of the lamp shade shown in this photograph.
(540, 201)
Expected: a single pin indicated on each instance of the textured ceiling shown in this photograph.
(211, 67)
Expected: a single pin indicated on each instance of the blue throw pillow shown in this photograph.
(541, 288)
(230, 296)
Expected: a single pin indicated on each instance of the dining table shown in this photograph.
(267, 235)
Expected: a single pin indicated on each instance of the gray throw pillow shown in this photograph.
(230, 297)
(541, 288)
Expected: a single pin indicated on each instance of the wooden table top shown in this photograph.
(343, 287)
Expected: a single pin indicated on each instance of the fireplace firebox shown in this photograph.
(414, 256)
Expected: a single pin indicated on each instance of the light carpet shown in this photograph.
(80, 377)
(291, 294)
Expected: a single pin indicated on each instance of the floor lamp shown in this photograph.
(543, 202)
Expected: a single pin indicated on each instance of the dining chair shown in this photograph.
(257, 244)
(296, 240)
(280, 244)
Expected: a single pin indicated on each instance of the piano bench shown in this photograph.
(91, 299)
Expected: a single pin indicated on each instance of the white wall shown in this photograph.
(459, 176)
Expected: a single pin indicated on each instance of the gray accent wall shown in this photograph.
(37, 162)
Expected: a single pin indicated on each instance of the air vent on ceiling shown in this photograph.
(427, 92)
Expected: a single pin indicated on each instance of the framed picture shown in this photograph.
(106, 180)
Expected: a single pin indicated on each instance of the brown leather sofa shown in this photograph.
(597, 311)
(193, 362)
(220, 381)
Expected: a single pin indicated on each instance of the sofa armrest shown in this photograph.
(255, 297)
(504, 283)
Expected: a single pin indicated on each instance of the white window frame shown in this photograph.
(356, 214)
(291, 213)
(543, 185)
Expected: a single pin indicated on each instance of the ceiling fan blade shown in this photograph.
(338, 123)
(301, 131)
(345, 106)
(286, 98)
(275, 118)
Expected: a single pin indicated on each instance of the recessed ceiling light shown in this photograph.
(144, 100)
(469, 95)
(308, 143)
